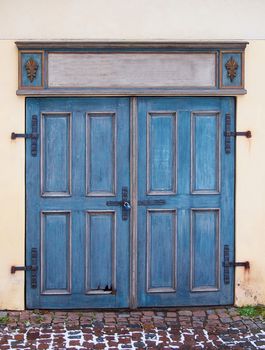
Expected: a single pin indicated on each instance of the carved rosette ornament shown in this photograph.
(31, 67)
(231, 67)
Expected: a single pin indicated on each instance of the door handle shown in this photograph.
(124, 203)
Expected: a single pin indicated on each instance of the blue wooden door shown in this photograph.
(74, 182)
(78, 183)
(186, 201)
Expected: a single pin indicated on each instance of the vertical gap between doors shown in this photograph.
(133, 196)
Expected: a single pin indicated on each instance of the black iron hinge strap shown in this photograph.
(23, 268)
(33, 267)
(228, 133)
(227, 264)
(247, 134)
(33, 136)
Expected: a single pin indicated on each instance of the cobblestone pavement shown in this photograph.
(169, 329)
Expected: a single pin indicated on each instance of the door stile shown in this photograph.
(134, 200)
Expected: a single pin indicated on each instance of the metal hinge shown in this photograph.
(247, 134)
(244, 264)
(23, 268)
(33, 136)
(227, 264)
(228, 133)
(33, 268)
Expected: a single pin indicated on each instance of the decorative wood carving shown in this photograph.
(31, 67)
(231, 67)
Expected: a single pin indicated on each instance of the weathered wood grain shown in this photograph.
(131, 70)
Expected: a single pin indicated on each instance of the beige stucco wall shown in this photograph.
(12, 181)
(250, 185)
(132, 19)
(250, 180)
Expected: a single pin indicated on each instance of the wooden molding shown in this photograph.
(130, 68)
(131, 44)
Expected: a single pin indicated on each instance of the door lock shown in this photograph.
(126, 205)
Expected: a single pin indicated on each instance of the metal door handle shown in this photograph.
(124, 203)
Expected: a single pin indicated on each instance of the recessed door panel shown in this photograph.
(56, 156)
(205, 249)
(101, 154)
(101, 252)
(56, 252)
(161, 153)
(205, 152)
(161, 250)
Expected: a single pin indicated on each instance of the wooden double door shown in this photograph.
(130, 202)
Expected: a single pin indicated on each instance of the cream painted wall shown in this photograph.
(132, 19)
(250, 186)
(12, 187)
(250, 181)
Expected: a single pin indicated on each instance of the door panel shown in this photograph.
(205, 152)
(183, 163)
(100, 250)
(205, 249)
(101, 154)
(161, 250)
(56, 252)
(161, 153)
(56, 150)
(82, 243)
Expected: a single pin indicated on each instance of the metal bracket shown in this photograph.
(148, 202)
(23, 268)
(25, 136)
(228, 133)
(33, 268)
(247, 134)
(227, 264)
(33, 136)
(244, 264)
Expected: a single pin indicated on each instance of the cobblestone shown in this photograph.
(146, 329)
